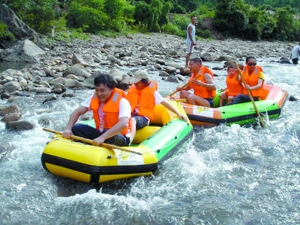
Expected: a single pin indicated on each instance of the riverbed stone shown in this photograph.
(19, 125)
(11, 86)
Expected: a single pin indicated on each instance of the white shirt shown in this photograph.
(124, 106)
(295, 52)
(158, 98)
(188, 40)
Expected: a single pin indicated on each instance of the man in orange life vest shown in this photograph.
(111, 111)
(204, 85)
(143, 96)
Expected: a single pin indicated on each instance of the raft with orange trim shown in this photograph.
(243, 113)
(86, 163)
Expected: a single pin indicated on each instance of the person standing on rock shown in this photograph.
(295, 54)
(111, 111)
(203, 84)
(190, 39)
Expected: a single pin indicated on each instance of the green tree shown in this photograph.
(88, 15)
(152, 16)
(38, 14)
(230, 17)
(285, 21)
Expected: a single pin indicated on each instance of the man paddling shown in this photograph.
(202, 82)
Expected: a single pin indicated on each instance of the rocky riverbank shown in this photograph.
(63, 66)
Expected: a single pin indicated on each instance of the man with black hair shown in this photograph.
(111, 111)
(202, 88)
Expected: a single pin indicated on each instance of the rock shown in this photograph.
(8, 110)
(19, 125)
(41, 90)
(11, 86)
(77, 71)
(284, 60)
(77, 59)
(50, 98)
(207, 57)
(185, 71)
(15, 26)
(11, 117)
(116, 74)
(73, 83)
(164, 74)
(27, 51)
(172, 78)
(170, 69)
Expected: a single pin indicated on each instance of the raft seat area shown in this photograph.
(144, 133)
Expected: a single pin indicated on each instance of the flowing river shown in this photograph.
(224, 175)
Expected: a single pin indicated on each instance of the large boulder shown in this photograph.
(27, 52)
(15, 26)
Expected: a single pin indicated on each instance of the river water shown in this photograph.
(224, 175)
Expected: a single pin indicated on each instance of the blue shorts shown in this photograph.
(141, 122)
(211, 102)
(86, 131)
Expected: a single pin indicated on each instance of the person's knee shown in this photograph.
(191, 98)
(76, 128)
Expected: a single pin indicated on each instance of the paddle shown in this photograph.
(250, 96)
(179, 89)
(89, 141)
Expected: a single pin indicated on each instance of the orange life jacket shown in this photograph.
(234, 86)
(144, 99)
(200, 90)
(111, 110)
(252, 80)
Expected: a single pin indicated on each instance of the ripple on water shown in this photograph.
(224, 175)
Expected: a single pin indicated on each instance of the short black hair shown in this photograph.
(106, 80)
(249, 57)
(197, 60)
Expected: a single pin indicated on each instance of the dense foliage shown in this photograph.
(248, 19)
(236, 18)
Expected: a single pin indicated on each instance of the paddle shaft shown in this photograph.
(179, 89)
(250, 96)
(89, 141)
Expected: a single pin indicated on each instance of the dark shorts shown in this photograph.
(141, 122)
(211, 102)
(85, 131)
(295, 61)
(241, 98)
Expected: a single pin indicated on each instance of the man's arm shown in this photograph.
(172, 109)
(117, 128)
(73, 119)
(210, 84)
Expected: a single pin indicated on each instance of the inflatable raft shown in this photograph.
(155, 143)
(243, 113)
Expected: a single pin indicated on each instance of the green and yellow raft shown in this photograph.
(83, 162)
(243, 113)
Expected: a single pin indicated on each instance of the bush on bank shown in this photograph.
(231, 18)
